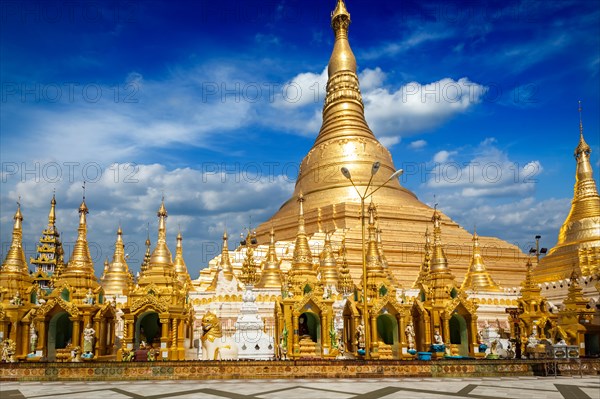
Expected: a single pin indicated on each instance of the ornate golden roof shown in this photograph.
(271, 272)
(439, 262)
(49, 250)
(478, 278)
(440, 281)
(581, 229)
(383, 259)
(224, 265)
(116, 277)
(147, 254)
(376, 275)
(248, 274)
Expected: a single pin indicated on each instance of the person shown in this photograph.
(410, 335)
(88, 339)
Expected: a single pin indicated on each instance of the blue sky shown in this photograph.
(215, 104)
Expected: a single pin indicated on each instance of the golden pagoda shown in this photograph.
(305, 311)
(443, 315)
(157, 313)
(270, 276)
(478, 279)
(535, 317)
(116, 279)
(575, 317)
(249, 276)
(17, 294)
(50, 253)
(147, 254)
(579, 237)
(224, 277)
(345, 140)
(180, 267)
(76, 308)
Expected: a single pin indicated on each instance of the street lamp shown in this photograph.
(363, 197)
(537, 250)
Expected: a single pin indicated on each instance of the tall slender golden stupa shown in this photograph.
(116, 279)
(345, 140)
(478, 278)
(579, 237)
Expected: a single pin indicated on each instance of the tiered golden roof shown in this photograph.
(79, 275)
(116, 279)
(328, 267)
(147, 254)
(441, 280)
(478, 278)
(579, 236)
(180, 267)
(345, 140)
(383, 259)
(14, 274)
(271, 272)
(49, 260)
(224, 265)
(249, 275)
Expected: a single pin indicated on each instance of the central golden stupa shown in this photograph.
(332, 204)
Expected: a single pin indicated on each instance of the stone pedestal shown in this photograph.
(252, 340)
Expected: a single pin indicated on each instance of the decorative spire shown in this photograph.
(328, 264)
(376, 275)
(580, 228)
(81, 260)
(146, 261)
(49, 258)
(346, 284)
(477, 277)
(426, 265)
(180, 266)
(15, 261)
(271, 272)
(161, 257)
(302, 260)
(225, 263)
(248, 275)
(116, 278)
(52, 214)
(342, 58)
(439, 262)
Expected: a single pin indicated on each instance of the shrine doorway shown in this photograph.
(459, 335)
(148, 329)
(60, 333)
(309, 325)
(387, 331)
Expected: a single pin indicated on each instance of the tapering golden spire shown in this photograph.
(439, 262)
(373, 259)
(344, 139)
(52, 214)
(477, 277)
(581, 229)
(328, 264)
(49, 256)
(248, 275)
(426, 264)
(116, 278)
(161, 257)
(225, 263)
(271, 272)
(15, 261)
(81, 260)
(302, 260)
(346, 284)
(146, 261)
(180, 267)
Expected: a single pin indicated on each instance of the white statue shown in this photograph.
(226, 286)
(88, 339)
(214, 345)
(33, 339)
(437, 338)
(360, 336)
(16, 300)
(89, 297)
(410, 335)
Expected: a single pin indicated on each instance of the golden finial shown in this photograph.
(148, 243)
(582, 149)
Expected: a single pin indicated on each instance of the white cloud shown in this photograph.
(200, 202)
(303, 89)
(443, 156)
(417, 144)
(371, 78)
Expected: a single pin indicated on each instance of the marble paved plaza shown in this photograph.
(481, 388)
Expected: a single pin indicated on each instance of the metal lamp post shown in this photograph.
(363, 197)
